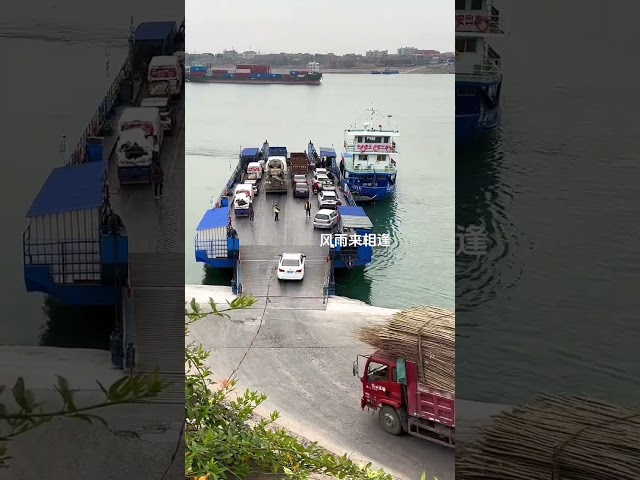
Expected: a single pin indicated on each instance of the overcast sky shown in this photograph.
(318, 26)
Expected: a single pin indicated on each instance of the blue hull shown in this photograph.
(369, 194)
(471, 128)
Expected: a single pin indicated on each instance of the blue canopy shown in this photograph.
(70, 188)
(214, 218)
(354, 217)
(249, 152)
(327, 152)
(154, 30)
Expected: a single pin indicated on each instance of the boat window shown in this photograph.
(386, 139)
(359, 139)
(290, 262)
(476, 4)
(377, 372)
(363, 157)
(466, 45)
(460, 4)
(373, 140)
(380, 158)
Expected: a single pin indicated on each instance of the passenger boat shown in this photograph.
(478, 70)
(368, 165)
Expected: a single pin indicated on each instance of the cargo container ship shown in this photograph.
(255, 74)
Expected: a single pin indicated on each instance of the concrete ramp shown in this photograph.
(257, 273)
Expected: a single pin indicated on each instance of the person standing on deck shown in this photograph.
(276, 212)
(307, 208)
(157, 177)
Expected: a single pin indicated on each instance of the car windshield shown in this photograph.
(329, 195)
(322, 216)
(300, 178)
(290, 262)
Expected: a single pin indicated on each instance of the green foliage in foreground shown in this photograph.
(225, 440)
(29, 413)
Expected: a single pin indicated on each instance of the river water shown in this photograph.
(553, 306)
(419, 265)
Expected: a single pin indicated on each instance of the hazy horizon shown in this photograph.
(304, 26)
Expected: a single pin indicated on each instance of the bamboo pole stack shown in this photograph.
(435, 328)
(557, 438)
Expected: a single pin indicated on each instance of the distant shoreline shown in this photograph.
(426, 69)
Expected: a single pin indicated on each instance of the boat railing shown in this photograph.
(99, 118)
(488, 71)
(388, 169)
(353, 146)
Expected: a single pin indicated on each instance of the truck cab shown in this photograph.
(164, 76)
(405, 405)
(167, 111)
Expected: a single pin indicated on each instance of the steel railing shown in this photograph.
(102, 113)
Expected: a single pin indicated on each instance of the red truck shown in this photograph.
(406, 405)
(299, 164)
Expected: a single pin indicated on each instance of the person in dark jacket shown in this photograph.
(276, 212)
(307, 208)
(157, 177)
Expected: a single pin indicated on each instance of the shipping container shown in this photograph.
(216, 71)
(243, 75)
(198, 74)
(228, 75)
(243, 70)
(198, 68)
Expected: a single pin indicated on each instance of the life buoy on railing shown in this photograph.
(387, 149)
(376, 148)
(482, 24)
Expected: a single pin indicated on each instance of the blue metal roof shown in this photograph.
(352, 211)
(214, 218)
(154, 30)
(249, 152)
(74, 187)
(354, 217)
(327, 152)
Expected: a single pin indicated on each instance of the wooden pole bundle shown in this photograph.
(557, 438)
(433, 329)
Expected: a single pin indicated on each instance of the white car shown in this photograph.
(325, 219)
(291, 266)
(321, 171)
(328, 199)
(321, 178)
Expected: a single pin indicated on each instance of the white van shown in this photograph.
(165, 71)
(255, 167)
(244, 188)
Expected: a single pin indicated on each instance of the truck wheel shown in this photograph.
(389, 420)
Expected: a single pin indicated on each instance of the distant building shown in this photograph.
(232, 54)
(377, 53)
(249, 55)
(406, 51)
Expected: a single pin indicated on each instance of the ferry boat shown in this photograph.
(367, 165)
(478, 69)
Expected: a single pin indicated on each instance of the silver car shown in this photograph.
(328, 199)
(325, 219)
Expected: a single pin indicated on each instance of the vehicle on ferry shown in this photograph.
(325, 218)
(368, 162)
(478, 69)
(291, 266)
(328, 199)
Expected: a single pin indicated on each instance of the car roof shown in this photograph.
(328, 192)
(326, 211)
(303, 184)
(291, 255)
